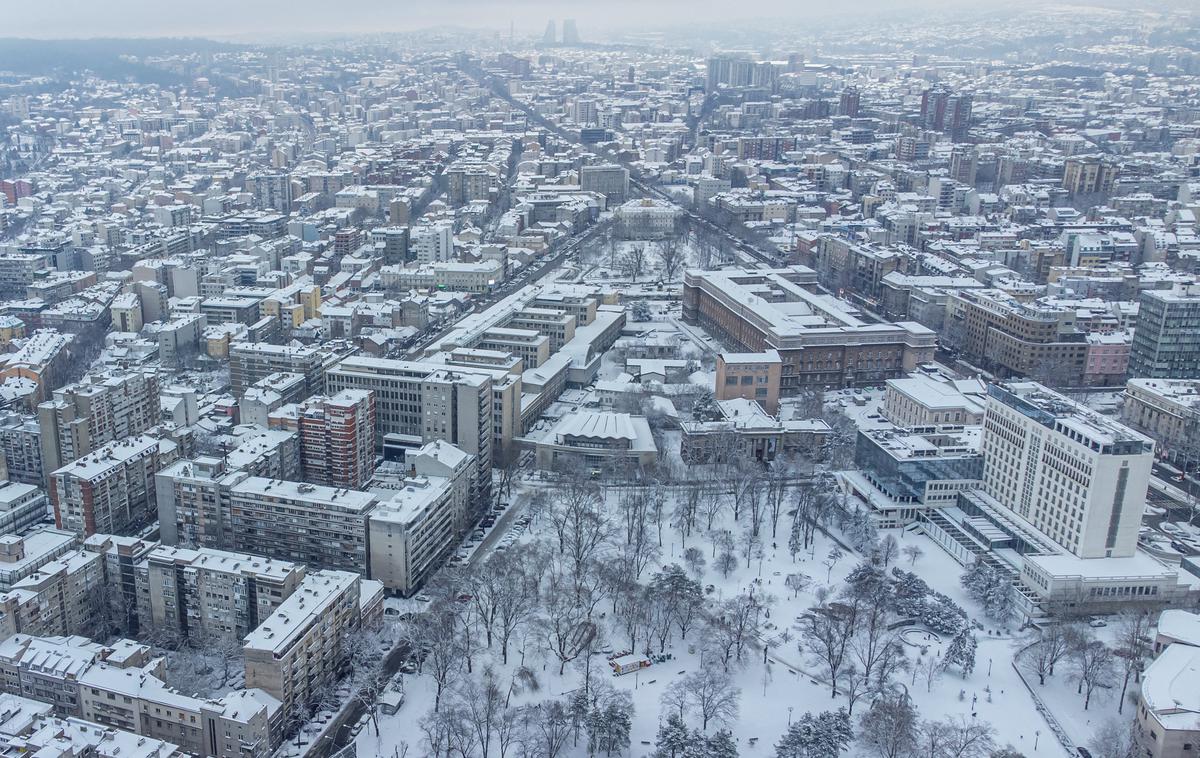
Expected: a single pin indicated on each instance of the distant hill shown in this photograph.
(102, 55)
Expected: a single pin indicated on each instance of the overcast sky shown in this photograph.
(245, 19)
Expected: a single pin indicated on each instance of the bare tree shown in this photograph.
(440, 650)
(887, 550)
(889, 728)
(549, 727)
(1132, 645)
(828, 630)
(563, 623)
(1094, 668)
(633, 262)
(1115, 738)
(913, 553)
(711, 693)
(670, 258)
(1051, 648)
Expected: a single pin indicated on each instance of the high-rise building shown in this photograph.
(945, 111)
(320, 526)
(251, 361)
(570, 32)
(391, 244)
(420, 402)
(337, 437)
(111, 489)
(205, 595)
(1089, 175)
(1166, 341)
(434, 242)
(849, 102)
(272, 191)
(83, 416)
(1078, 477)
(298, 649)
(550, 36)
(411, 533)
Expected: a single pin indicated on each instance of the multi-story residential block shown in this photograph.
(251, 361)
(30, 728)
(83, 416)
(419, 402)
(68, 595)
(1166, 342)
(21, 444)
(21, 556)
(22, 506)
(299, 649)
(410, 533)
(297, 521)
(820, 340)
(111, 489)
(337, 437)
(191, 498)
(207, 595)
(42, 360)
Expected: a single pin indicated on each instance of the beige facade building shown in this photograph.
(821, 341)
(297, 651)
(750, 376)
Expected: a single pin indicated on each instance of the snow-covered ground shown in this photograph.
(782, 688)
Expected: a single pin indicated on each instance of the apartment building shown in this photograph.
(411, 532)
(298, 650)
(28, 727)
(42, 360)
(297, 521)
(821, 341)
(418, 402)
(205, 595)
(1013, 338)
(138, 699)
(251, 361)
(21, 446)
(81, 417)
(1166, 343)
(111, 489)
(191, 497)
(22, 507)
(65, 596)
(21, 556)
(337, 437)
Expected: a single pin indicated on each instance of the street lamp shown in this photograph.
(1037, 734)
(789, 715)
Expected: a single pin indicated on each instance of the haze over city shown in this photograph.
(545, 379)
